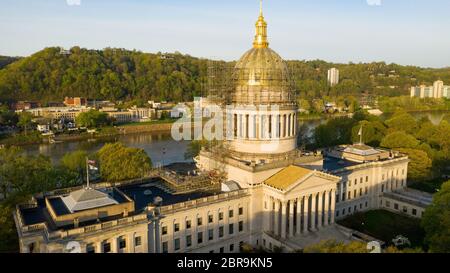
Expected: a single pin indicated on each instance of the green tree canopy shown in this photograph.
(419, 168)
(436, 221)
(332, 246)
(372, 132)
(118, 162)
(92, 119)
(399, 139)
(402, 121)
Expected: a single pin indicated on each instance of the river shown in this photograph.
(161, 148)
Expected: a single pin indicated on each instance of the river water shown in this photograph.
(161, 148)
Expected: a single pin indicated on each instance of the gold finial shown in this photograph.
(261, 30)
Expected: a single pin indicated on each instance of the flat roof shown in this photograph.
(145, 193)
(331, 164)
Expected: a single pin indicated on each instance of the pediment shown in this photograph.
(312, 182)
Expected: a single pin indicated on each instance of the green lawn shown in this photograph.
(385, 225)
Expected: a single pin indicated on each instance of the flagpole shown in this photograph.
(87, 172)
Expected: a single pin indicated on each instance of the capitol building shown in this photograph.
(271, 195)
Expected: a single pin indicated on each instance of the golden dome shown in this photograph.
(261, 75)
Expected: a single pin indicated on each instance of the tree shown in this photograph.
(7, 117)
(399, 139)
(76, 162)
(21, 175)
(436, 221)
(92, 119)
(335, 132)
(402, 121)
(118, 163)
(333, 246)
(194, 148)
(372, 133)
(25, 121)
(419, 168)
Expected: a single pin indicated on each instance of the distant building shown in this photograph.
(58, 113)
(75, 102)
(437, 91)
(25, 105)
(333, 76)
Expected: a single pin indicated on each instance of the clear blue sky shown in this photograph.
(413, 32)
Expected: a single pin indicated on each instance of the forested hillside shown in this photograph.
(118, 74)
(4, 61)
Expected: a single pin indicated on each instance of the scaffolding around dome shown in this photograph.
(229, 84)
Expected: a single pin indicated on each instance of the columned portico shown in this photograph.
(306, 205)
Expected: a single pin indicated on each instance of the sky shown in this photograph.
(408, 32)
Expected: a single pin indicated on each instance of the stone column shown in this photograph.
(266, 214)
(239, 126)
(291, 218)
(320, 211)
(305, 214)
(313, 212)
(98, 247)
(327, 208)
(283, 126)
(299, 216)
(333, 205)
(283, 219)
(276, 220)
(341, 194)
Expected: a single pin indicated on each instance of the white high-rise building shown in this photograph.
(333, 76)
(437, 91)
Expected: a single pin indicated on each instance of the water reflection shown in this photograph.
(153, 144)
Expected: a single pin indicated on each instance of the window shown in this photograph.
(211, 234)
(360, 206)
(188, 224)
(405, 209)
(361, 180)
(414, 212)
(396, 206)
(360, 192)
(220, 216)
(367, 179)
(388, 204)
(230, 213)
(349, 195)
(241, 226)
(138, 241)
(230, 229)
(221, 232)
(165, 247)
(164, 230)
(106, 247)
(176, 243)
(199, 221)
(200, 238)
(232, 247)
(349, 183)
(337, 213)
(356, 181)
(90, 248)
(122, 243)
(176, 227)
(188, 240)
(367, 204)
(222, 250)
(210, 219)
(382, 188)
(241, 211)
(355, 193)
(349, 210)
(366, 191)
(211, 251)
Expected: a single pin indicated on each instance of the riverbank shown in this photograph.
(132, 128)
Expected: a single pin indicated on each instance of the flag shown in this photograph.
(91, 164)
